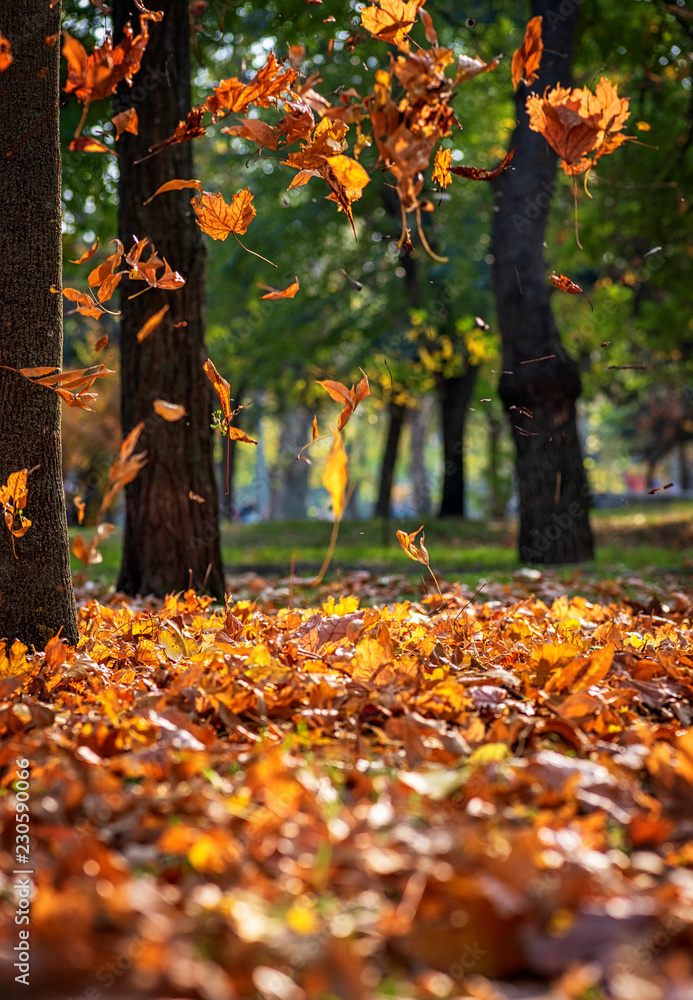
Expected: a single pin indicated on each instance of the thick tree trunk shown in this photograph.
(540, 396)
(397, 413)
(172, 525)
(36, 597)
(455, 396)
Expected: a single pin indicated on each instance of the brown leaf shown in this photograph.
(96, 76)
(255, 130)
(528, 57)
(479, 174)
(126, 121)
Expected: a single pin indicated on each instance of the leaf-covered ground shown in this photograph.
(488, 799)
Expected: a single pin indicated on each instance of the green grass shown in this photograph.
(648, 538)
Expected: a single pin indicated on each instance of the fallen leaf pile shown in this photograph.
(313, 803)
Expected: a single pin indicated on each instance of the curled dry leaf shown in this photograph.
(88, 254)
(151, 324)
(407, 541)
(566, 285)
(350, 398)
(175, 185)
(13, 500)
(87, 144)
(287, 293)
(169, 411)
(96, 76)
(441, 167)
(479, 174)
(527, 59)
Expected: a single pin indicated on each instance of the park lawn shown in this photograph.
(649, 538)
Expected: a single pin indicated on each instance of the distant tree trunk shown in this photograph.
(290, 475)
(418, 427)
(171, 539)
(684, 468)
(397, 414)
(455, 396)
(36, 597)
(539, 397)
(497, 505)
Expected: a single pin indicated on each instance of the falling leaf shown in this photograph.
(151, 324)
(6, 56)
(87, 255)
(87, 144)
(429, 30)
(391, 21)
(288, 293)
(468, 67)
(335, 476)
(528, 57)
(350, 398)
(255, 130)
(96, 76)
(169, 411)
(479, 174)
(441, 167)
(81, 506)
(643, 126)
(217, 219)
(566, 285)
(126, 121)
(13, 500)
(176, 185)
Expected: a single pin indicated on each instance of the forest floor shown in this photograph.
(361, 790)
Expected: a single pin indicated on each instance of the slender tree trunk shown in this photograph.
(418, 428)
(540, 396)
(289, 475)
(455, 396)
(397, 413)
(684, 468)
(493, 468)
(171, 525)
(36, 597)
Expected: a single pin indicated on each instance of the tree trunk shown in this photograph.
(420, 486)
(455, 396)
(539, 397)
(397, 414)
(289, 498)
(36, 596)
(495, 492)
(171, 536)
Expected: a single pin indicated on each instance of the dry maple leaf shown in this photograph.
(255, 130)
(287, 293)
(13, 500)
(527, 59)
(96, 76)
(579, 125)
(218, 219)
(6, 57)
(566, 285)
(263, 90)
(479, 174)
(392, 20)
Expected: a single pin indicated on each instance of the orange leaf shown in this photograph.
(429, 30)
(335, 476)
(169, 411)
(222, 389)
(93, 77)
(86, 144)
(418, 554)
(288, 293)
(391, 21)
(80, 505)
(13, 500)
(468, 66)
(349, 397)
(176, 185)
(217, 219)
(126, 121)
(566, 285)
(256, 131)
(87, 255)
(528, 57)
(151, 324)
(236, 434)
(263, 90)
(6, 56)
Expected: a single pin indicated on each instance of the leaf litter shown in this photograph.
(445, 794)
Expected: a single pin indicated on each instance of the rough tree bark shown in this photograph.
(455, 395)
(171, 539)
(539, 397)
(36, 597)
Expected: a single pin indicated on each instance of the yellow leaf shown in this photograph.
(14, 663)
(335, 475)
